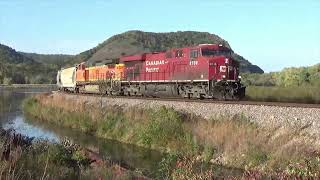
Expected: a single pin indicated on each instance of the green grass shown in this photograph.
(231, 141)
(44, 161)
(301, 94)
(159, 129)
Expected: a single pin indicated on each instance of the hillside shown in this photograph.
(20, 69)
(48, 58)
(9, 55)
(134, 42)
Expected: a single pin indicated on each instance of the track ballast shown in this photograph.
(178, 99)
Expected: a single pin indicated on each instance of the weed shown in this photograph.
(229, 140)
(208, 152)
(166, 166)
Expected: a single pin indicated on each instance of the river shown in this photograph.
(129, 156)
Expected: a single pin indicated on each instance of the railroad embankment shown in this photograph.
(255, 140)
(305, 120)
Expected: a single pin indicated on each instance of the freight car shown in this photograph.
(66, 79)
(203, 71)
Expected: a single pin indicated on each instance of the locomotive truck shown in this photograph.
(206, 71)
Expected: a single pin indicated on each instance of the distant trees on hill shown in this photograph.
(19, 69)
(135, 42)
(287, 77)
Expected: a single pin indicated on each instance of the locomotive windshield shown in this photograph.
(212, 52)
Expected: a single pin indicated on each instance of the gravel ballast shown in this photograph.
(296, 118)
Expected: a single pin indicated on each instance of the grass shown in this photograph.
(44, 160)
(301, 94)
(228, 141)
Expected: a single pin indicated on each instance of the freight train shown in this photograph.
(206, 71)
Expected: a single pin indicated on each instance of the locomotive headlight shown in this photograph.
(226, 60)
(239, 77)
(223, 76)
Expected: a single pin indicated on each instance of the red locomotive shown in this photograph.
(203, 71)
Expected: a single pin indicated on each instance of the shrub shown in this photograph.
(303, 94)
(7, 81)
(163, 127)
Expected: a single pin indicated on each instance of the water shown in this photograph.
(12, 117)
(20, 126)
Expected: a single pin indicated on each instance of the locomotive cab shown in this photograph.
(221, 64)
(223, 72)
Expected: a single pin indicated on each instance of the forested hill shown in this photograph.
(134, 42)
(53, 59)
(22, 67)
(9, 55)
(18, 68)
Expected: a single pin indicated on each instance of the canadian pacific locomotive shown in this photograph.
(203, 71)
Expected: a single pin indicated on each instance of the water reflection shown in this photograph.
(20, 126)
(130, 156)
(11, 100)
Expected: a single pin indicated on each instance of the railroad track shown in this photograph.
(178, 99)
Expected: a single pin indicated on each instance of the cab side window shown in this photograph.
(179, 53)
(194, 54)
(169, 54)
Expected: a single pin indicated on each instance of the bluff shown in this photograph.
(135, 42)
(22, 67)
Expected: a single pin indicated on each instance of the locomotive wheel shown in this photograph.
(201, 96)
(126, 93)
(222, 96)
(236, 98)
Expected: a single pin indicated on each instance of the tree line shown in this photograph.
(286, 78)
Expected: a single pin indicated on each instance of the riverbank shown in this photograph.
(191, 140)
(24, 158)
(301, 119)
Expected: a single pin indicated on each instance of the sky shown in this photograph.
(272, 34)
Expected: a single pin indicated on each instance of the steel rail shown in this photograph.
(179, 99)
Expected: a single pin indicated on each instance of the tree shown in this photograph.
(7, 81)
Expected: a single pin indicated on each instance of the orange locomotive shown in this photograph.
(90, 79)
